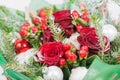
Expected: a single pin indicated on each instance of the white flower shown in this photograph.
(110, 31)
(73, 40)
(78, 73)
(23, 58)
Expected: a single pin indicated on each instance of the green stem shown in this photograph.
(83, 22)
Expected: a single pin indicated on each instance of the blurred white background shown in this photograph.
(16, 4)
(21, 4)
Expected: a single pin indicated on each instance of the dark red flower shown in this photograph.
(62, 15)
(50, 53)
(88, 37)
(47, 36)
(64, 18)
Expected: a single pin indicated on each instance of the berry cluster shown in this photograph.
(82, 19)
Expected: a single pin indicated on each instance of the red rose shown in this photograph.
(62, 15)
(88, 37)
(64, 18)
(50, 53)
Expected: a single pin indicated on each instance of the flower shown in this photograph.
(50, 53)
(65, 21)
(88, 37)
(47, 36)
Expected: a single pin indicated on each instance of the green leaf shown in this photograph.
(66, 72)
(91, 59)
(83, 63)
(10, 19)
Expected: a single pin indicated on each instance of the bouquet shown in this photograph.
(59, 44)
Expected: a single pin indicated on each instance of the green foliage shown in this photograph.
(10, 19)
(6, 47)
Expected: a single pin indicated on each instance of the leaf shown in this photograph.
(10, 19)
(66, 72)
(83, 63)
(91, 59)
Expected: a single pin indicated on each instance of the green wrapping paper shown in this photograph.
(15, 75)
(12, 74)
(2, 61)
(102, 71)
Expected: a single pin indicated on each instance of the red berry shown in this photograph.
(24, 27)
(84, 48)
(85, 16)
(44, 20)
(34, 29)
(62, 62)
(79, 27)
(26, 24)
(43, 27)
(82, 53)
(66, 46)
(67, 54)
(35, 20)
(82, 6)
(23, 32)
(72, 57)
(42, 13)
(75, 14)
